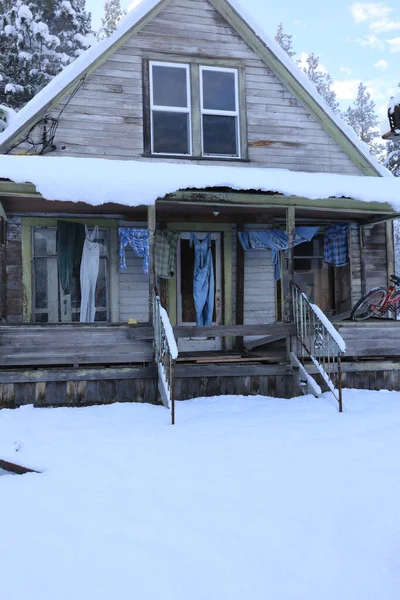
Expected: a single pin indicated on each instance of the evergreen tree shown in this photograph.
(28, 52)
(285, 41)
(113, 13)
(363, 119)
(69, 21)
(322, 81)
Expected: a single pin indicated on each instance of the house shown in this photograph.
(192, 137)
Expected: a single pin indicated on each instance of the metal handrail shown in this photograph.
(166, 353)
(322, 343)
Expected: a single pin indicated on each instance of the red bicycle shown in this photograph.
(377, 302)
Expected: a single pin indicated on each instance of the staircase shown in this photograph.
(318, 342)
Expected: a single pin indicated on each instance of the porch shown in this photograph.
(245, 350)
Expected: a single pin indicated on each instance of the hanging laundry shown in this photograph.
(336, 246)
(90, 265)
(276, 240)
(165, 253)
(203, 280)
(70, 240)
(138, 240)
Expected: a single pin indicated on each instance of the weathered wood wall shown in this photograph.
(105, 117)
(74, 345)
(72, 387)
(133, 290)
(14, 299)
(259, 285)
(248, 380)
(368, 255)
(3, 295)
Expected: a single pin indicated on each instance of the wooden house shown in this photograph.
(189, 119)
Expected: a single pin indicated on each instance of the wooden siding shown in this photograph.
(371, 338)
(14, 285)
(85, 387)
(105, 117)
(3, 295)
(57, 344)
(368, 256)
(259, 285)
(133, 290)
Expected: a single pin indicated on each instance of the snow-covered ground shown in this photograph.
(245, 498)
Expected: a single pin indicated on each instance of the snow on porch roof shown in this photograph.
(136, 16)
(99, 181)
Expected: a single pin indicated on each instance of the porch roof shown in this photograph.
(132, 183)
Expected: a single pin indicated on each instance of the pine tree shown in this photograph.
(69, 21)
(285, 40)
(28, 52)
(113, 13)
(363, 119)
(322, 81)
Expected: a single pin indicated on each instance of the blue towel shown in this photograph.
(276, 240)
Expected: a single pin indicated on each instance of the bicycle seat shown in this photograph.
(395, 279)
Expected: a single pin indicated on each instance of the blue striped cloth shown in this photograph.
(138, 240)
(336, 246)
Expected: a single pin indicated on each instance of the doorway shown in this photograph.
(186, 313)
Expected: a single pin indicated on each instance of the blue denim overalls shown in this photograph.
(203, 280)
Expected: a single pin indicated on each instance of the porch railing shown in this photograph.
(166, 353)
(320, 340)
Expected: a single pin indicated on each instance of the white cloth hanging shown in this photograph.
(90, 265)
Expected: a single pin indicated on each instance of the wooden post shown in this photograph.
(288, 311)
(239, 287)
(362, 262)
(151, 224)
(288, 301)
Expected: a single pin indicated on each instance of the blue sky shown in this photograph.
(355, 40)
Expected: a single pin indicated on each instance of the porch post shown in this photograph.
(151, 224)
(288, 300)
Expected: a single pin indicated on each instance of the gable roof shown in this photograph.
(251, 31)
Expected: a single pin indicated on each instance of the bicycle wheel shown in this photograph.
(369, 305)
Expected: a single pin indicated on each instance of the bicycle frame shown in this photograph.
(391, 302)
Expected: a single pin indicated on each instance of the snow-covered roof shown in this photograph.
(98, 181)
(133, 18)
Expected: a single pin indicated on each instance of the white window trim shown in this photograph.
(159, 108)
(227, 113)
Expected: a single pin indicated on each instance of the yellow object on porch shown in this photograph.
(132, 322)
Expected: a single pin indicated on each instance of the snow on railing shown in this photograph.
(166, 353)
(323, 344)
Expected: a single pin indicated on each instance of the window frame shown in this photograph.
(161, 108)
(104, 256)
(193, 63)
(223, 113)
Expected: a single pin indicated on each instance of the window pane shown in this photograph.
(169, 86)
(219, 90)
(220, 135)
(170, 132)
(45, 242)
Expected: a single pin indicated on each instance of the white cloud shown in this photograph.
(381, 64)
(346, 70)
(383, 25)
(367, 11)
(394, 44)
(346, 89)
(372, 41)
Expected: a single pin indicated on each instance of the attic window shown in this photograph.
(193, 109)
(220, 111)
(170, 109)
